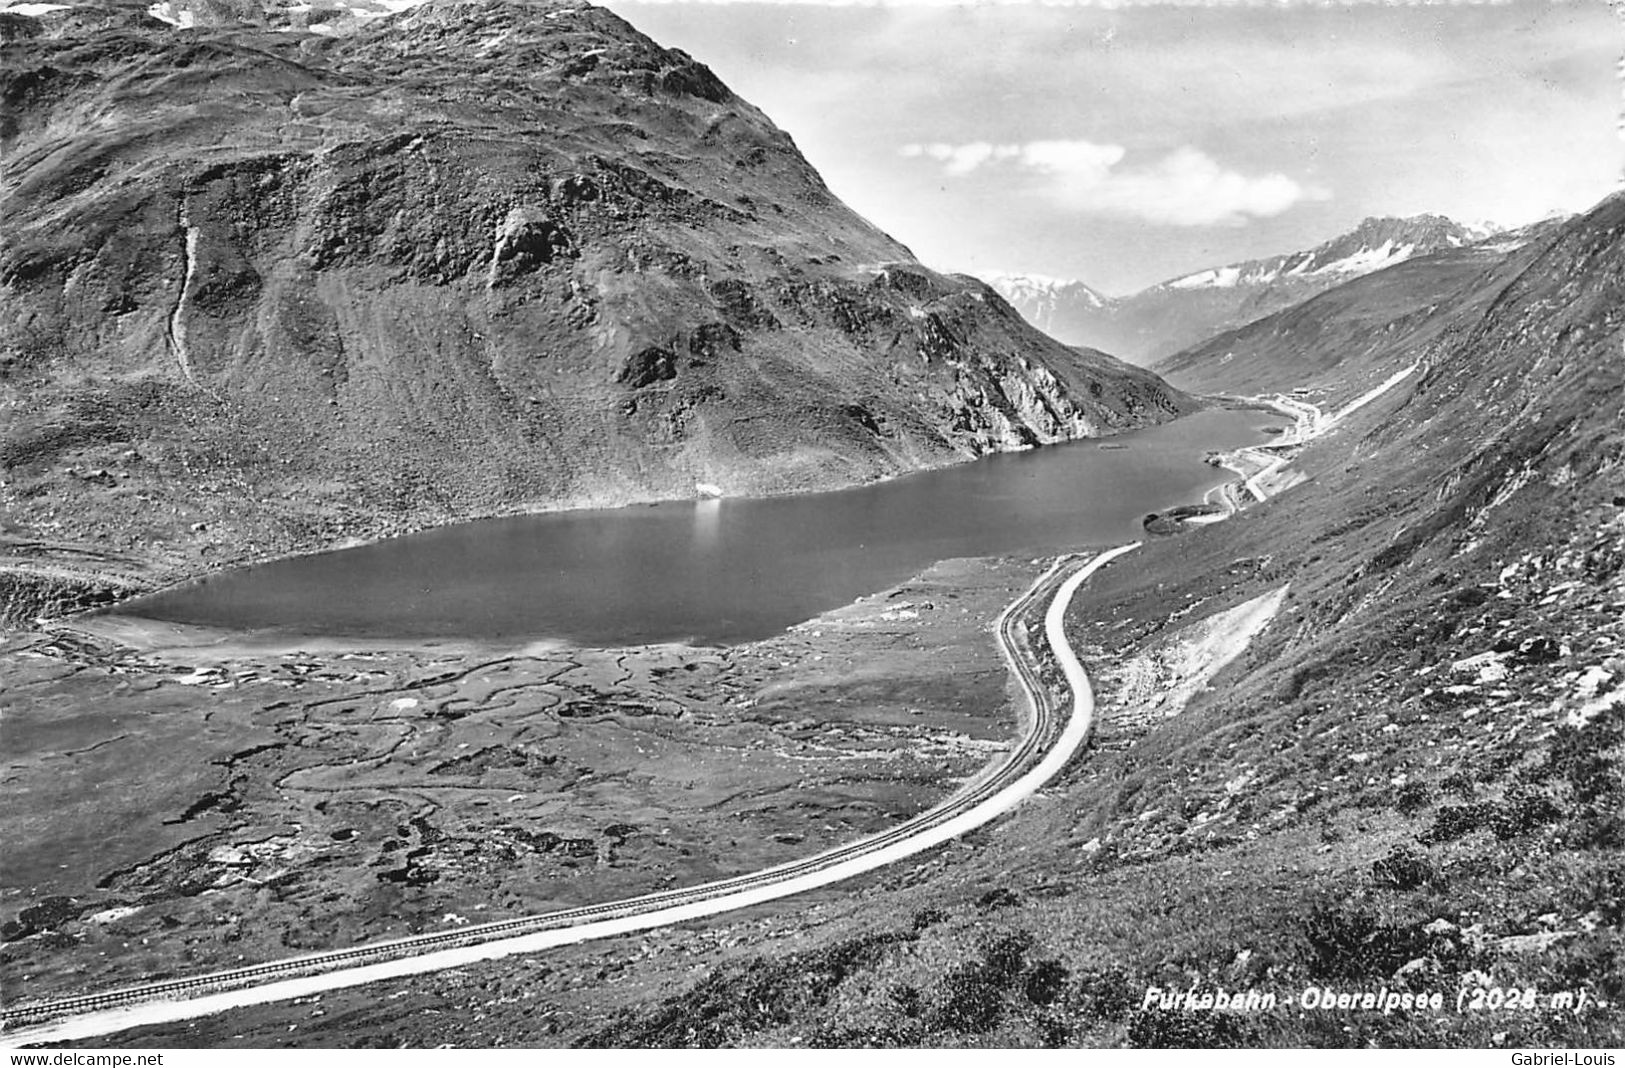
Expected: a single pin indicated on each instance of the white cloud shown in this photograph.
(962, 159)
(1187, 187)
(1081, 160)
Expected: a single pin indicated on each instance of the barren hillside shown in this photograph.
(266, 291)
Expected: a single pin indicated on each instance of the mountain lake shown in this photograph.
(709, 572)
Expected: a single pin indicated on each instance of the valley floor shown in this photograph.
(1431, 806)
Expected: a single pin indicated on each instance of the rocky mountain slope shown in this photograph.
(324, 17)
(1154, 323)
(264, 289)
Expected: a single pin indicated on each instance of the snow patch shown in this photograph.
(1368, 260)
(1213, 278)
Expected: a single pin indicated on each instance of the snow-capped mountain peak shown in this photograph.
(1020, 289)
(1047, 302)
(1164, 318)
(1371, 246)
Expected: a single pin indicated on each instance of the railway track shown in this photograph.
(1045, 746)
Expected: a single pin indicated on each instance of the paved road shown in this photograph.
(1051, 736)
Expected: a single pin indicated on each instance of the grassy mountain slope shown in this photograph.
(266, 291)
(1413, 778)
(1348, 336)
(1411, 782)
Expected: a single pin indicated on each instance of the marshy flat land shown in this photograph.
(176, 815)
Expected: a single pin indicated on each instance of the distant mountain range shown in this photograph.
(1051, 304)
(1155, 323)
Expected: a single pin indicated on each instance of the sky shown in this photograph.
(1124, 142)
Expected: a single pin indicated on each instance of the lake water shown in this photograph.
(713, 571)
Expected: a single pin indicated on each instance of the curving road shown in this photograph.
(1051, 738)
